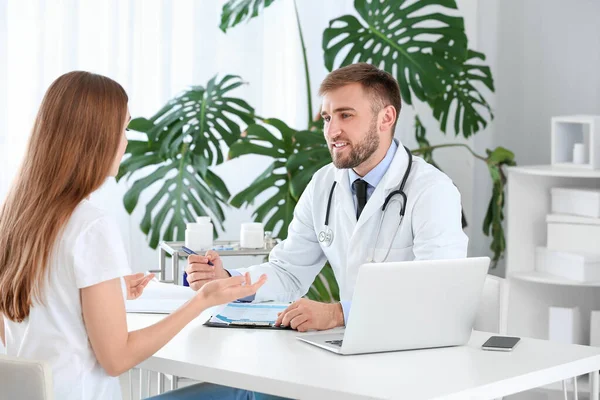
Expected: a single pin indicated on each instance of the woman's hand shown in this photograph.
(223, 291)
(136, 283)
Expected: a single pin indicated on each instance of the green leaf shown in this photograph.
(494, 217)
(401, 39)
(424, 149)
(132, 195)
(198, 116)
(329, 277)
(321, 289)
(462, 90)
(140, 125)
(325, 288)
(501, 155)
(278, 146)
(184, 141)
(236, 11)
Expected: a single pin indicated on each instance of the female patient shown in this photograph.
(61, 257)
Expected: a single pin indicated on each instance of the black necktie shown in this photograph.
(361, 194)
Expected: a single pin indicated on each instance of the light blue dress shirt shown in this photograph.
(372, 178)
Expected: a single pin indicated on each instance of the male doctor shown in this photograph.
(360, 110)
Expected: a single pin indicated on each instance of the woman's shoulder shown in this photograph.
(87, 216)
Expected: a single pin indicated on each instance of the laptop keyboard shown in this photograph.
(335, 342)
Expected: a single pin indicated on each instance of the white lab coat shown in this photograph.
(431, 229)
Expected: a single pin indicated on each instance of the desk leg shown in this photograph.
(594, 385)
(162, 263)
(131, 384)
(174, 382)
(149, 384)
(175, 267)
(143, 393)
(161, 383)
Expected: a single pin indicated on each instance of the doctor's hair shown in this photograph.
(73, 144)
(381, 85)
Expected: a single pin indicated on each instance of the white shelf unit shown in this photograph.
(532, 293)
(569, 130)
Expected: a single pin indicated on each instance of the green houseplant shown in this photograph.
(427, 51)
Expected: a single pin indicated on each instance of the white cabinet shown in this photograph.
(532, 293)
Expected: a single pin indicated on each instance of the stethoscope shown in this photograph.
(326, 235)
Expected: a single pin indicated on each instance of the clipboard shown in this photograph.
(248, 315)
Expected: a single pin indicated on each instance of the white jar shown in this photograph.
(252, 235)
(579, 154)
(199, 234)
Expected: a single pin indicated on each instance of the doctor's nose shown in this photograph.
(332, 130)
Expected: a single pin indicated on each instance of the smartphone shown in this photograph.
(500, 343)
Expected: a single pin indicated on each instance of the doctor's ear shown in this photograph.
(388, 117)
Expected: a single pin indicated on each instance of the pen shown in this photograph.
(190, 252)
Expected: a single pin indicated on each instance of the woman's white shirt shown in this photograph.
(89, 251)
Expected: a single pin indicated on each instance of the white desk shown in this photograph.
(275, 362)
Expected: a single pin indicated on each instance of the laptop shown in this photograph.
(409, 305)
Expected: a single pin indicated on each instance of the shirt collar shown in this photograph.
(376, 174)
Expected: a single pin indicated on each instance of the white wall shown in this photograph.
(545, 56)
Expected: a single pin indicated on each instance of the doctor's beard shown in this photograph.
(359, 152)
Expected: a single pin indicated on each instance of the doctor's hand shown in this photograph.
(223, 291)
(136, 284)
(199, 272)
(304, 315)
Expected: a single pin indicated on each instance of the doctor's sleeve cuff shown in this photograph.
(235, 272)
(346, 310)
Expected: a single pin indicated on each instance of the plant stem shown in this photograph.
(423, 149)
(308, 91)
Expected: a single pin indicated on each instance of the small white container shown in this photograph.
(579, 154)
(573, 234)
(583, 202)
(252, 235)
(199, 234)
(575, 266)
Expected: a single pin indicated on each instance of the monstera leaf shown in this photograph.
(401, 39)
(325, 288)
(296, 155)
(461, 90)
(280, 206)
(183, 192)
(182, 141)
(310, 156)
(236, 11)
(424, 150)
(205, 115)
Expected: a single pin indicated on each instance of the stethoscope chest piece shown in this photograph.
(326, 236)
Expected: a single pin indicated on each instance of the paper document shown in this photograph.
(264, 314)
(160, 298)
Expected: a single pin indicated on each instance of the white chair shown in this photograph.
(25, 379)
(492, 314)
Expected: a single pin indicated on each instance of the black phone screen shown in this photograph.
(501, 342)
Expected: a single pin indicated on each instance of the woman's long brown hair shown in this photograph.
(72, 147)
